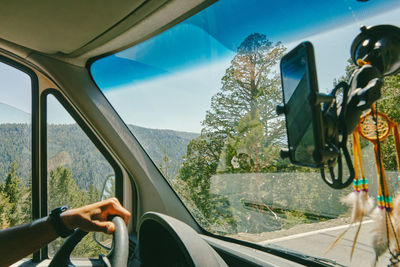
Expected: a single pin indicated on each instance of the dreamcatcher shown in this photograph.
(386, 215)
(375, 127)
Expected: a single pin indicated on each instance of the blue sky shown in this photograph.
(217, 31)
(15, 95)
(186, 63)
(15, 99)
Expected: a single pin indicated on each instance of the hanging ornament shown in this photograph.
(376, 127)
(358, 200)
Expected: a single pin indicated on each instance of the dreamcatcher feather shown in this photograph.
(358, 200)
(386, 214)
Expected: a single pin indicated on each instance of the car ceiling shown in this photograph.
(77, 30)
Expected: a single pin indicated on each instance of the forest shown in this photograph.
(76, 170)
(68, 146)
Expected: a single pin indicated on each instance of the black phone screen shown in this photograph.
(295, 74)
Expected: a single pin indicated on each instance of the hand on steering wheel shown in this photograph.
(94, 217)
(117, 257)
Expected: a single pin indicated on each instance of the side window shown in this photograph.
(76, 170)
(15, 146)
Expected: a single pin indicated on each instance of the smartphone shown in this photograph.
(303, 118)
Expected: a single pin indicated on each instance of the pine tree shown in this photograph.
(200, 162)
(18, 197)
(13, 184)
(240, 132)
(5, 208)
(63, 190)
(249, 85)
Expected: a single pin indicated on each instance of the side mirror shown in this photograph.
(108, 190)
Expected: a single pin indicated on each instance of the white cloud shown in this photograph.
(178, 101)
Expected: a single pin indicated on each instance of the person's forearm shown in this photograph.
(20, 241)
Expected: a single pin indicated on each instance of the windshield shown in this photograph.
(201, 97)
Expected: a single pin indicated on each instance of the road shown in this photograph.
(315, 243)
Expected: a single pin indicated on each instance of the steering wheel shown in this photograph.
(117, 257)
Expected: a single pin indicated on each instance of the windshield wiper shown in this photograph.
(303, 258)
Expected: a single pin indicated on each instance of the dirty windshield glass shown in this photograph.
(200, 97)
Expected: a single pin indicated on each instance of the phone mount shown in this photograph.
(376, 53)
(378, 46)
(335, 136)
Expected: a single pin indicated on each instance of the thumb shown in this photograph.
(103, 226)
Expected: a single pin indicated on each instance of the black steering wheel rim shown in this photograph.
(117, 257)
(120, 251)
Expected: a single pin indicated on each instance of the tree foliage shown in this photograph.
(389, 105)
(69, 146)
(15, 199)
(241, 132)
(249, 85)
(15, 203)
(63, 190)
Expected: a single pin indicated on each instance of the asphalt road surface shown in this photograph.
(315, 243)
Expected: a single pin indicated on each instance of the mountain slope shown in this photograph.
(159, 143)
(68, 146)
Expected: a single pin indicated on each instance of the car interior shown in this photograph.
(172, 107)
